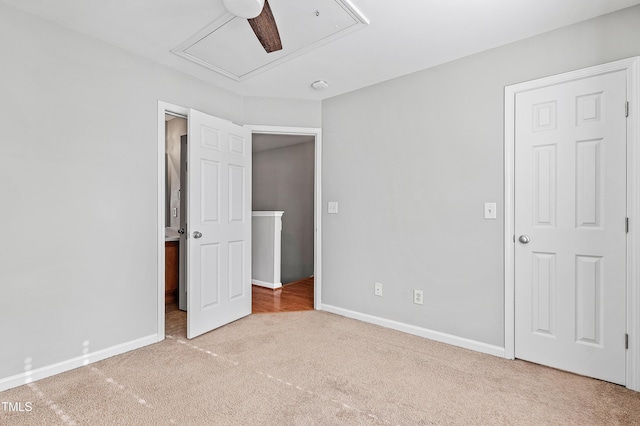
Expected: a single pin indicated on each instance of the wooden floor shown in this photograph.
(296, 296)
(175, 320)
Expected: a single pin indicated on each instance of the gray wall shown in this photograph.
(412, 161)
(283, 180)
(79, 167)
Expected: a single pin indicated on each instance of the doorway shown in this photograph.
(283, 201)
(293, 136)
(571, 181)
(166, 108)
(175, 135)
(176, 130)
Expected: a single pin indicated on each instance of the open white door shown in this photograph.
(219, 223)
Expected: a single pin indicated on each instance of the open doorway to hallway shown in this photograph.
(283, 199)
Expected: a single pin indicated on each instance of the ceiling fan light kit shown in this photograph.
(247, 9)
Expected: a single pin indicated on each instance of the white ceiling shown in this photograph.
(303, 24)
(404, 36)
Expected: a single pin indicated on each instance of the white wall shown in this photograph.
(412, 161)
(282, 112)
(78, 166)
(283, 180)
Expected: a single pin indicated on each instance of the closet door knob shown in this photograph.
(524, 239)
(197, 234)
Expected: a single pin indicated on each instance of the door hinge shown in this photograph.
(626, 224)
(626, 341)
(626, 109)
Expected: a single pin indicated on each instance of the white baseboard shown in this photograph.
(266, 284)
(450, 339)
(70, 364)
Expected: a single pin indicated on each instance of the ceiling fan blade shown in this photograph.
(265, 28)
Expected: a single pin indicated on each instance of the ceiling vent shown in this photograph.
(229, 46)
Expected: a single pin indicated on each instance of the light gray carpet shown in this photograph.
(315, 368)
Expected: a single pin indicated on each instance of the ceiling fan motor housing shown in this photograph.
(247, 9)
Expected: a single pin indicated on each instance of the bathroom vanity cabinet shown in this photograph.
(171, 265)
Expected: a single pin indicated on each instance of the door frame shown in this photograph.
(317, 196)
(631, 67)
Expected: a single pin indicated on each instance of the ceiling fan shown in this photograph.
(260, 17)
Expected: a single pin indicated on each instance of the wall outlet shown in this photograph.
(377, 289)
(418, 297)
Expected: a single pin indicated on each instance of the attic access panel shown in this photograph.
(229, 46)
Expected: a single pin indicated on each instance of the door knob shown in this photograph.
(181, 231)
(524, 239)
(197, 234)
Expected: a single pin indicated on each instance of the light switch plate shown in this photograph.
(490, 211)
(377, 289)
(332, 207)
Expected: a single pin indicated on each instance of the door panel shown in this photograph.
(544, 293)
(544, 186)
(570, 200)
(236, 269)
(209, 191)
(209, 275)
(219, 224)
(589, 299)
